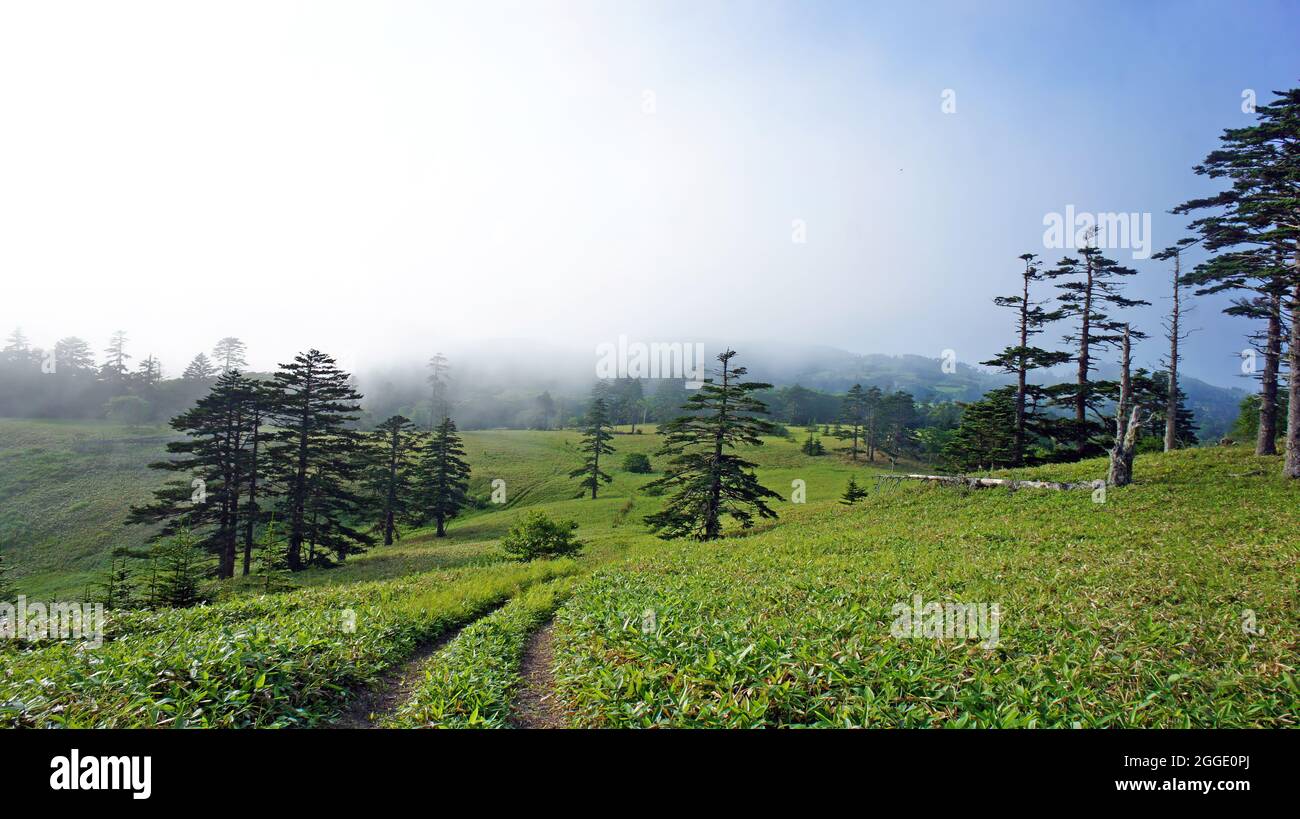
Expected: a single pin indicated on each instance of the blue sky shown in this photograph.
(425, 173)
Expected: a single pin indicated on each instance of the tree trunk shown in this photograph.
(1171, 401)
(1127, 423)
(1292, 466)
(442, 531)
(252, 495)
(1266, 437)
(1085, 344)
(1021, 370)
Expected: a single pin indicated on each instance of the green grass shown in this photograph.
(471, 683)
(1127, 613)
(265, 661)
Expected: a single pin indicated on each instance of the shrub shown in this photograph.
(637, 462)
(537, 535)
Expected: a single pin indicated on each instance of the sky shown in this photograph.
(382, 180)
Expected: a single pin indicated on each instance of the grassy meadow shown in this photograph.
(1130, 612)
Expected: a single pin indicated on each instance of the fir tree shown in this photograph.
(812, 446)
(853, 493)
(1021, 359)
(214, 464)
(115, 368)
(853, 416)
(985, 438)
(1175, 333)
(314, 452)
(1254, 222)
(7, 593)
(72, 355)
(390, 474)
(444, 476)
(1093, 287)
(117, 589)
(228, 354)
(707, 480)
(596, 435)
(181, 565)
(200, 368)
(439, 387)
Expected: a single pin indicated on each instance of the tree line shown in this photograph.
(1252, 233)
(285, 455)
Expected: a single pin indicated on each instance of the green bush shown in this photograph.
(539, 536)
(637, 462)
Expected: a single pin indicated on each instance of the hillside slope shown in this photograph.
(1131, 612)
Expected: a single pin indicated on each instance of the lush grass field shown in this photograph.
(1124, 613)
(65, 488)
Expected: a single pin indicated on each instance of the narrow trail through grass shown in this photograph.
(535, 704)
(381, 700)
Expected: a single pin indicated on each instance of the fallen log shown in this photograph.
(984, 483)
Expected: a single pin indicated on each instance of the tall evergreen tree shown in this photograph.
(115, 368)
(985, 438)
(314, 452)
(1254, 221)
(707, 478)
(390, 474)
(1092, 289)
(228, 354)
(214, 465)
(200, 368)
(596, 435)
(72, 355)
(444, 476)
(1021, 358)
(439, 388)
(1175, 333)
(853, 416)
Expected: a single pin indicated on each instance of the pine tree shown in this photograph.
(1128, 425)
(812, 446)
(596, 435)
(114, 368)
(314, 453)
(181, 565)
(7, 592)
(200, 368)
(1175, 333)
(1093, 288)
(149, 373)
(214, 463)
(117, 589)
(853, 493)
(439, 387)
(1021, 359)
(985, 438)
(72, 355)
(707, 480)
(444, 476)
(898, 426)
(228, 354)
(390, 474)
(853, 416)
(272, 560)
(1254, 220)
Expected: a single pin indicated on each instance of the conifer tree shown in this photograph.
(214, 464)
(708, 480)
(985, 438)
(7, 593)
(200, 368)
(314, 451)
(853, 416)
(1175, 333)
(114, 368)
(439, 386)
(228, 354)
(852, 492)
(1021, 358)
(117, 589)
(72, 355)
(1254, 221)
(180, 569)
(1093, 288)
(1128, 426)
(596, 435)
(390, 474)
(444, 476)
